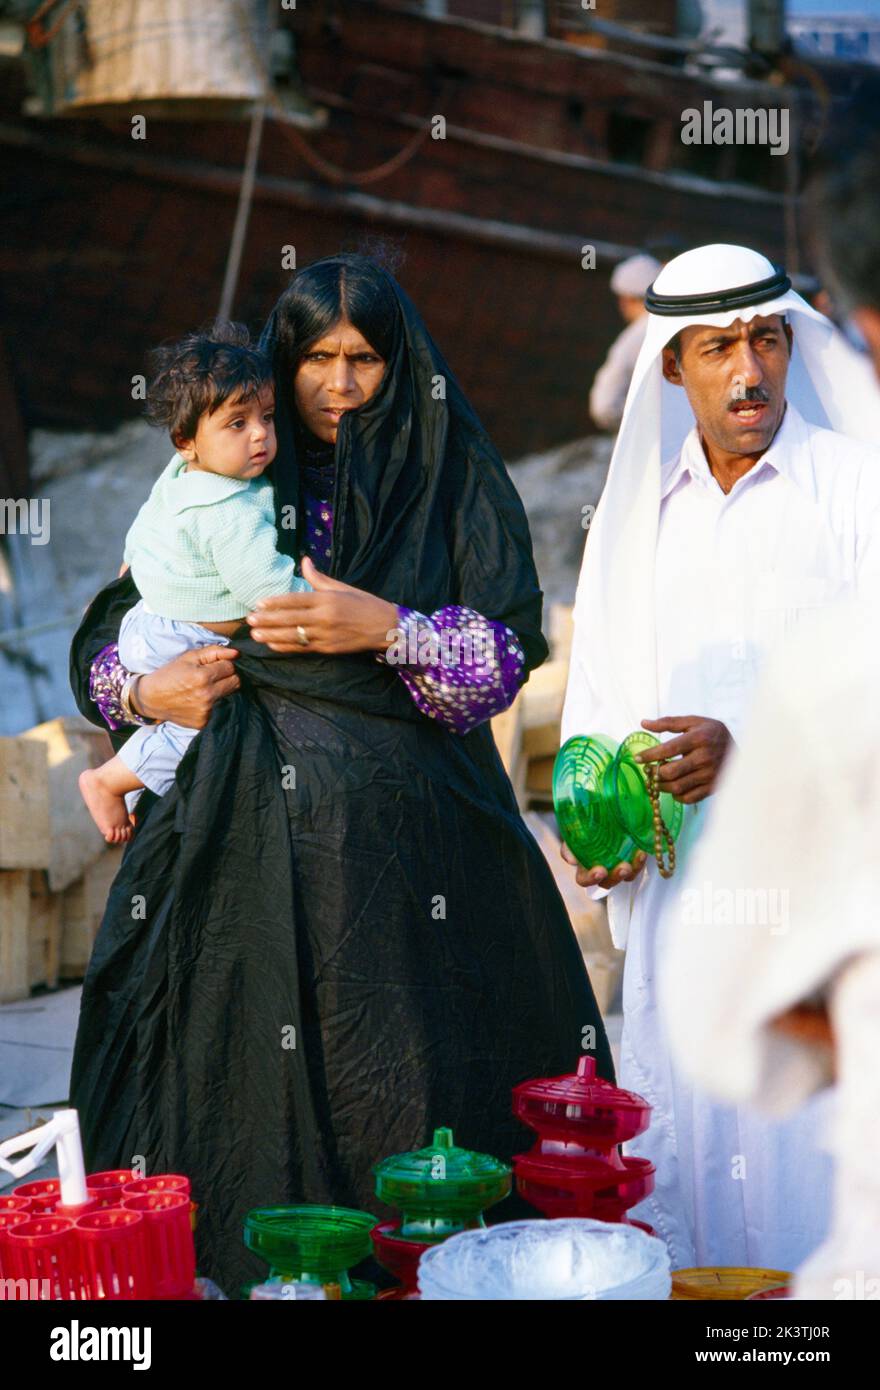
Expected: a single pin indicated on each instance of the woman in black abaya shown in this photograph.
(335, 932)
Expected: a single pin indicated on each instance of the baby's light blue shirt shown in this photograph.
(203, 547)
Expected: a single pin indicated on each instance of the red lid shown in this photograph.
(581, 1102)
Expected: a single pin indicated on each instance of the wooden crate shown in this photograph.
(82, 907)
(44, 932)
(14, 918)
(24, 805)
(74, 841)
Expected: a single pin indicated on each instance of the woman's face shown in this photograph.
(339, 372)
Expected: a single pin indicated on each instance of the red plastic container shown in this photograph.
(113, 1257)
(44, 1248)
(400, 1256)
(7, 1220)
(169, 1241)
(161, 1182)
(44, 1194)
(575, 1167)
(108, 1186)
(12, 1203)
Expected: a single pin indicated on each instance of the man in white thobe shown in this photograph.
(701, 557)
(771, 1018)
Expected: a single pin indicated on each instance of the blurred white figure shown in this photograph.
(794, 831)
(629, 282)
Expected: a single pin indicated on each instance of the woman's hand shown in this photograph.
(335, 618)
(186, 689)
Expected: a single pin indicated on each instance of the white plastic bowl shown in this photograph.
(571, 1259)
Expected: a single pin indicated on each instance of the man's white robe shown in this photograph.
(733, 574)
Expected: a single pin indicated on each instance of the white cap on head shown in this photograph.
(634, 275)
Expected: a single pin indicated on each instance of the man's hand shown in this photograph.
(698, 753)
(598, 876)
(185, 690)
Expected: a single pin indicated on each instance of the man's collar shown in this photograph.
(691, 458)
(194, 487)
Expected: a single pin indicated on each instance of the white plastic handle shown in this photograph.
(61, 1132)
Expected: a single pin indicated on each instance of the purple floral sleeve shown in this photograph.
(459, 667)
(106, 679)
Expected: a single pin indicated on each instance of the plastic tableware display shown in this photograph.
(312, 1245)
(575, 1167)
(439, 1190)
(81, 1238)
(574, 1259)
(602, 801)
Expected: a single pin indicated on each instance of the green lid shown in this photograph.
(441, 1188)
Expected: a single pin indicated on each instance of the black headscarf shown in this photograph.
(425, 513)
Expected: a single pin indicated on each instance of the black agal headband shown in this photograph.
(739, 297)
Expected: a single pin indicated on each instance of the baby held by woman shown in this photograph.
(202, 548)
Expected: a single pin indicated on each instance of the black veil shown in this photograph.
(425, 512)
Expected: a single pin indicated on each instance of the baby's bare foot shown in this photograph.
(107, 810)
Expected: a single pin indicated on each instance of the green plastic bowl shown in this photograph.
(313, 1245)
(600, 796)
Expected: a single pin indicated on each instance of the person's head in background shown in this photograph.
(630, 280)
(844, 200)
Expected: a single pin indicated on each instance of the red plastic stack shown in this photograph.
(132, 1239)
(575, 1167)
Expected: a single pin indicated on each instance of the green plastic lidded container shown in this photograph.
(601, 800)
(312, 1245)
(441, 1189)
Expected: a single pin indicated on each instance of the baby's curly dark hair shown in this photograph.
(197, 373)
